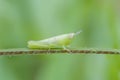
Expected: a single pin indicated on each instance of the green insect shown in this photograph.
(61, 41)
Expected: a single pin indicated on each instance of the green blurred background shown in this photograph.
(23, 20)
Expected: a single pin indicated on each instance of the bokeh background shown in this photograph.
(24, 20)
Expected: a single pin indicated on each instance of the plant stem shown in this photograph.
(40, 51)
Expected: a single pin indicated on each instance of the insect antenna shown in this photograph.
(77, 33)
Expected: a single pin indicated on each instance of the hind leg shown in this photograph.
(66, 48)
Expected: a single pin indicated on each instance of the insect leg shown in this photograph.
(65, 48)
(48, 50)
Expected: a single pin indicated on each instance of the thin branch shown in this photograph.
(38, 51)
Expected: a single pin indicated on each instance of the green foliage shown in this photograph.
(23, 20)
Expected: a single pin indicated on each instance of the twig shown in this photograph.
(37, 51)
